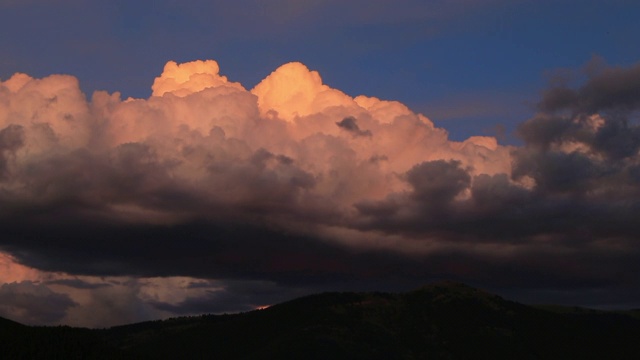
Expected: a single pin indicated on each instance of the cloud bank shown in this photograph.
(301, 187)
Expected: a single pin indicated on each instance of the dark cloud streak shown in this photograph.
(349, 124)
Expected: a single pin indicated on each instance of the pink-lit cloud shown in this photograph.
(297, 185)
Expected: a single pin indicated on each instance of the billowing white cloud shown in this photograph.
(188, 78)
(293, 91)
(279, 143)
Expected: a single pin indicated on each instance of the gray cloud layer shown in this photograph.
(33, 304)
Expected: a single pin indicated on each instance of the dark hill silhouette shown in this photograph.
(6, 324)
(439, 321)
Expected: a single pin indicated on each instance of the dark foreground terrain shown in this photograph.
(440, 321)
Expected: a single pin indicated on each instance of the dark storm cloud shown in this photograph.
(205, 250)
(567, 114)
(608, 89)
(585, 140)
(202, 249)
(437, 182)
(614, 136)
(581, 151)
(574, 226)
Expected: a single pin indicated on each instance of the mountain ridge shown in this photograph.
(444, 320)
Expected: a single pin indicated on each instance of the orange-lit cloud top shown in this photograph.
(188, 78)
(10, 271)
(294, 91)
(203, 131)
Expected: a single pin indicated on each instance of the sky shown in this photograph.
(167, 158)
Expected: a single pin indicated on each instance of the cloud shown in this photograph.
(77, 283)
(236, 174)
(229, 297)
(349, 124)
(34, 304)
(11, 271)
(607, 89)
(188, 78)
(299, 186)
(11, 139)
(293, 91)
(438, 182)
